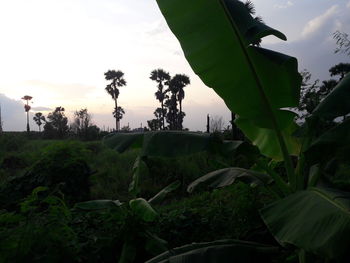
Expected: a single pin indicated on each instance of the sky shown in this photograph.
(58, 50)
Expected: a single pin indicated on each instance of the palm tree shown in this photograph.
(117, 80)
(340, 69)
(39, 118)
(27, 98)
(162, 78)
(177, 83)
(118, 114)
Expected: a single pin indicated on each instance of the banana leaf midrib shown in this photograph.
(265, 99)
(330, 199)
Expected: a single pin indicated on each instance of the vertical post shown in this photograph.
(208, 125)
(28, 129)
(233, 117)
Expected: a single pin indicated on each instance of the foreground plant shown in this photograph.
(217, 38)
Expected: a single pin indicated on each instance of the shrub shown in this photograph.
(62, 165)
(225, 213)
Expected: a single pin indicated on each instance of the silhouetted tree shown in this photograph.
(154, 124)
(118, 114)
(27, 107)
(216, 124)
(39, 119)
(172, 113)
(117, 80)
(161, 77)
(312, 93)
(340, 70)
(342, 42)
(176, 87)
(56, 125)
(81, 123)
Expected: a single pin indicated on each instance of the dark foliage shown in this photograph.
(62, 166)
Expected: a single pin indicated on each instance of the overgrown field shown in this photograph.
(42, 180)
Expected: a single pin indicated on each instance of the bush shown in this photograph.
(39, 232)
(224, 213)
(62, 166)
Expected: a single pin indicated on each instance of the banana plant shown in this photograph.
(137, 216)
(217, 38)
(173, 144)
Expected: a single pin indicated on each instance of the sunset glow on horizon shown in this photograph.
(58, 50)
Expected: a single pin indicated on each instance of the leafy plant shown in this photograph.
(259, 84)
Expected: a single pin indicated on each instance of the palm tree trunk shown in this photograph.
(28, 129)
(116, 119)
(180, 116)
(163, 128)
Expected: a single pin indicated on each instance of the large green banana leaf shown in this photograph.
(336, 103)
(160, 196)
(227, 176)
(220, 251)
(317, 220)
(333, 143)
(255, 83)
(176, 143)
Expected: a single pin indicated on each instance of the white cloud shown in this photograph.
(348, 5)
(318, 22)
(286, 5)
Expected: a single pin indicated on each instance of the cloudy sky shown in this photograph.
(58, 50)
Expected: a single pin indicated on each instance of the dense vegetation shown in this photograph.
(281, 195)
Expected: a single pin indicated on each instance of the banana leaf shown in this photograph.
(228, 176)
(176, 143)
(333, 143)
(143, 209)
(123, 141)
(159, 197)
(139, 170)
(220, 251)
(317, 220)
(95, 205)
(336, 103)
(255, 83)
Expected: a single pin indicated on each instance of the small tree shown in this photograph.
(27, 107)
(340, 70)
(39, 119)
(216, 124)
(117, 80)
(81, 123)
(57, 124)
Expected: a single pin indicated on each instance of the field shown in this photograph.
(39, 219)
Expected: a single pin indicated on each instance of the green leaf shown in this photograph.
(220, 251)
(176, 143)
(266, 138)
(123, 141)
(227, 176)
(140, 168)
(173, 143)
(329, 144)
(254, 82)
(155, 245)
(143, 209)
(317, 220)
(129, 252)
(98, 205)
(159, 197)
(336, 103)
